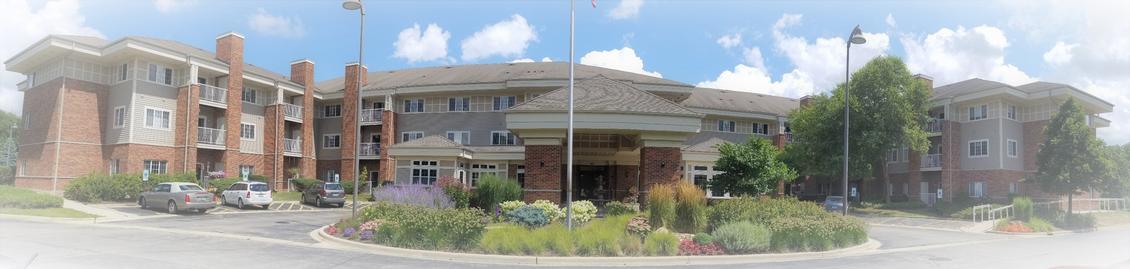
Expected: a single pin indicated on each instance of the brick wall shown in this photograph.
(1033, 137)
(229, 49)
(388, 138)
(79, 142)
(624, 179)
(185, 133)
(302, 72)
(325, 165)
(996, 182)
(543, 172)
(273, 166)
(659, 165)
(349, 111)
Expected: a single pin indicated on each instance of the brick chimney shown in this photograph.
(229, 49)
(349, 120)
(302, 72)
(806, 100)
(926, 80)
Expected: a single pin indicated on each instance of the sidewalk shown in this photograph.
(929, 223)
(100, 210)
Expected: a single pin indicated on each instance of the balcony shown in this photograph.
(369, 151)
(292, 147)
(370, 116)
(210, 138)
(788, 137)
(931, 162)
(934, 126)
(213, 96)
(292, 112)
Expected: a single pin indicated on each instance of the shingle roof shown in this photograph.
(433, 141)
(489, 73)
(1040, 86)
(708, 146)
(603, 94)
(966, 87)
(740, 101)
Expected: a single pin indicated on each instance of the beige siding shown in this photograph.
(151, 95)
(252, 145)
(120, 96)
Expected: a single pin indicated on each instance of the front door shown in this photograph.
(924, 192)
(592, 183)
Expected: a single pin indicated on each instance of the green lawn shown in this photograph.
(56, 212)
(1112, 218)
(907, 213)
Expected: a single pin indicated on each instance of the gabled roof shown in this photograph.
(708, 146)
(1040, 86)
(433, 141)
(966, 87)
(740, 101)
(489, 73)
(603, 94)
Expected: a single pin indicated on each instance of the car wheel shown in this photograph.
(303, 200)
(141, 202)
(172, 207)
(318, 202)
(239, 203)
(223, 200)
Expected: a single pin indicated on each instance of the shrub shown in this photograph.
(557, 239)
(691, 248)
(551, 210)
(690, 207)
(743, 237)
(631, 246)
(762, 211)
(218, 186)
(12, 197)
(1079, 222)
(425, 196)
(661, 205)
(661, 244)
(120, 187)
(602, 237)
(638, 225)
(703, 239)
(421, 227)
(492, 190)
(528, 216)
(301, 184)
(616, 208)
(583, 211)
(731, 210)
(1040, 225)
(507, 240)
(816, 232)
(1023, 208)
(259, 178)
(504, 208)
(347, 186)
(460, 195)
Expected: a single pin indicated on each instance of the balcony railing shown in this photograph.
(292, 111)
(210, 136)
(370, 115)
(213, 94)
(292, 145)
(934, 125)
(931, 160)
(788, 137)
(370, 149)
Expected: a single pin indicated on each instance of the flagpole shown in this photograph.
(569, 133)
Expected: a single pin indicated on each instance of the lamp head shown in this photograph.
(351, 4)
(857, 36)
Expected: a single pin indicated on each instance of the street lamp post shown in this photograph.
(356, 5)
(856, 38)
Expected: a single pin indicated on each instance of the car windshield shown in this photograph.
(333, 187)
(259, 187)
(190, 188)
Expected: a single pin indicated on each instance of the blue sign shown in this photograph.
(145, 175)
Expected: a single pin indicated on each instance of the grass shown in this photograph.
(1112, 218)
(906, 213)
(13, 197)
(56, 212)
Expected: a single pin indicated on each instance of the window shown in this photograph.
(414, 105)
(701, 176)
(521, 175)
(424, 172)
(978, 112)
(125, 70)
(1012, 148)
(246, 131)
(153, 72)
(1011, 112)
(726, 126)
(892, 155)
(904, 154)
(409, 136)
(248, 169)
(155, 167)
(31, 80)
(502, 138)
(978, 148)
(379, 105)
(461, 137)
(504, 102)
(1013, 188)
(119, 116)
(114, 166)
(331, 141)
(157, 118)
(27, 121)
(249, 95)
(459, 104)
(23, 168)
(977, 189)
(480, 170)
(168, 79)
(330, 175)
(331, 111)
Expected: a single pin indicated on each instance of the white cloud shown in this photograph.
(623, 59)
(418, 46)
(628, 9)
(822, 60)
(753, 57)
(523, 60)
(1060, 54)
(508, 38)
(168, 6)
(954, 55)
(752, 79)
(730, 40)
(891, 20)
(546, 59)
(24, 26)
(277, 26)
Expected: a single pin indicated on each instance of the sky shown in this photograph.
(786, 48)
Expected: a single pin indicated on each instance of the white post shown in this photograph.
(569, 133)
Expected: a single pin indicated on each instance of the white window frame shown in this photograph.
(23, 168)
(119, 117)
(982, 108)
(115, 166)
(254, 96)
(1013, 188)
(461, 137)
(424, 170)
(243, 131)
(327, 108)
(326, 139)
(458, 104)
(1010, 112)
(970, 148)
(27, 121)
(330, 175)
(728, 126)
(709, 172)
(250, 171)
(152, 72)
(155, 167)
(167, 79)
(410, 135)
(151, 124)
(976, 189)
(479, 170)
(1013, 148)
(510, 138)
(124, 72)
(501, 103)
(414, 105)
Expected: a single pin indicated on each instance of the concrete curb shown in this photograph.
(339, 243)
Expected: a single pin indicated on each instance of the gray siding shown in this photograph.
(1013, 130)
(120, 96)
(326, 126)
(252, 145)
(152, 95)
(978, 130)
(480, 124)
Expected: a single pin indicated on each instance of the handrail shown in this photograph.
(370, 149)
(987, 212)
(292, 110)
(210, 136)
(931, 160)
(370, 115)
(213, 93)
(934, 125)
(292, 145)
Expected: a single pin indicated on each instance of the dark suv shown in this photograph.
(324, 193)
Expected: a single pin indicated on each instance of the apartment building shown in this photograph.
(146, 104)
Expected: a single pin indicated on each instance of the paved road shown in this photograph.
(280, 240)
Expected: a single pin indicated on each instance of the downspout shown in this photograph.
(278, 134)
(188, 109)
(59, 131)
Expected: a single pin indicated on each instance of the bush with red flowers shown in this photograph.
(690, 248)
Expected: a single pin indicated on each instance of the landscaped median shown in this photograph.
(678, 228)
(25, 202)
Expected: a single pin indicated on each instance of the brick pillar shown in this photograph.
(544, 167)
(913, 174)
(349, 121)
(659, 165)
(951, 159)
(273, 165)
(229, 49)
(388, 137)
(302, 72)
(188, 109)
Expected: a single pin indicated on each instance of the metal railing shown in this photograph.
(934, 125)
(987, 213)
(213, 93)
(370, 149)
(292, 110)
(292, 145)
(931, 161)
(1084, 205)
(370, 115)
(210, 136)
(788, 137)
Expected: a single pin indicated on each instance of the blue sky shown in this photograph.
(789, 48)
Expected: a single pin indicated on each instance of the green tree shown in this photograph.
(9, 138)
(888, 110)
(1119, 157)
(1071, 158)
(750, 169)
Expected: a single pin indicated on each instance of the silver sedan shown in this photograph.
(177, 197)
